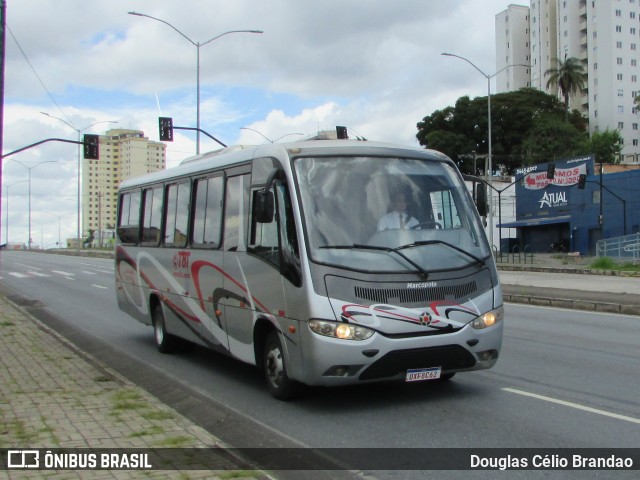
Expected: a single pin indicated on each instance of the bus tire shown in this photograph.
(165, 342)
(275, 372)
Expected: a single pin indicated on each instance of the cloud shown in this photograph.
(372, 65)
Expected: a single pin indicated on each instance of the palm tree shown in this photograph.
(569, 76)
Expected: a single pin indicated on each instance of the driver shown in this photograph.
(397, 218)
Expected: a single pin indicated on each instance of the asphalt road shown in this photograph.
(565, 379)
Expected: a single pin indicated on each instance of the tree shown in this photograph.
(88, 240)
(606, 146)
(462, 129)
(568, 76)
(553, 138)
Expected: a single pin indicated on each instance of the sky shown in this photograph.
(374, 66)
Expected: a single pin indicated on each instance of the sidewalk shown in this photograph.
(568, 282)
(54, 396)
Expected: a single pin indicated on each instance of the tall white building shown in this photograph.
(514, 55)
(543, 41)
(123, 154)
(605, 35)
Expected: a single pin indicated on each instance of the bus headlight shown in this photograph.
(488, 319)
(343, 331)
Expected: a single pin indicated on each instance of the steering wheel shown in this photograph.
(430, 224)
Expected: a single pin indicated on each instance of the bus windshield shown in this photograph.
(380, 214)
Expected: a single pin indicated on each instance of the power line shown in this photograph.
(37, 76)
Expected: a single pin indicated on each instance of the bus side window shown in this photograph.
(177, 215)
(290, 255)
(207, 216)
(235, 212)
(129, 219)
(152, 216)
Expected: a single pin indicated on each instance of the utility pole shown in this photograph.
(3, 36)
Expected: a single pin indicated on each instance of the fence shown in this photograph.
(515, 256)
(620, 249)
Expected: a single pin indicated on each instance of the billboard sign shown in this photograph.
(539, 197)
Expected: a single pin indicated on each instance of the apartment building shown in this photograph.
(123, 154)
(512, 26)
(605, 34)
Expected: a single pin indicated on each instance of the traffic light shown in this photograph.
(166, 129)
(582, 180)
(341, 132)
(551, 171)
(91, 147)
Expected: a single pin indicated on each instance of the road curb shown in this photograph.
(573, 304)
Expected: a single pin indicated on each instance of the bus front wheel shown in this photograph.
(275, 371)
(165, 342)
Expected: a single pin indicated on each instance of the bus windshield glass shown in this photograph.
(381, 214)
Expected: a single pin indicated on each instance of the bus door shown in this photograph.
(273, 249)
(239, 297)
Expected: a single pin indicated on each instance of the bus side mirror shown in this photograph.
(480, 194)
(263, 206)
(481, 199)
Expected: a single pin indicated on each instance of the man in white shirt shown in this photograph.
(398, 218)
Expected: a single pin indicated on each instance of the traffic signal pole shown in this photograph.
(166, 128)
(89, 147)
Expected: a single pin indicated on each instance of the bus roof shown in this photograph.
(244, 153)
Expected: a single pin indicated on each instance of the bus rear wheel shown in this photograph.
(278, 382)
(165, 342)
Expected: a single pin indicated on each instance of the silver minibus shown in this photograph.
(322, 262)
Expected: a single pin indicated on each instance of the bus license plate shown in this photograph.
(421, 374)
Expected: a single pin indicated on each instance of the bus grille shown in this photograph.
(416, 295)
(449, 357)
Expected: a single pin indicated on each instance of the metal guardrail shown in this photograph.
(515, 256)
(620, 249)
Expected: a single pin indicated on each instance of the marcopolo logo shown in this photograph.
(422, 285)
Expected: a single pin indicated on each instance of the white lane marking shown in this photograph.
(577, 406)
(19, 275)
(38, 274)
(99, 286)
(28, 266)
(88, 273)
(66, 274)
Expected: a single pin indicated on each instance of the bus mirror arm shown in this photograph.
(472, 178)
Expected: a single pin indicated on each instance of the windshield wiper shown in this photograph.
(397, 251)
(441, 242)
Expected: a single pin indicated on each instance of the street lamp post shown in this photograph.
(197, 45)
(6, 187)
(267, 138)
(80, 149)
(31, 168)
(490, 158)
(59, 243)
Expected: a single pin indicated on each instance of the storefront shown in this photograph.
(545, 205)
